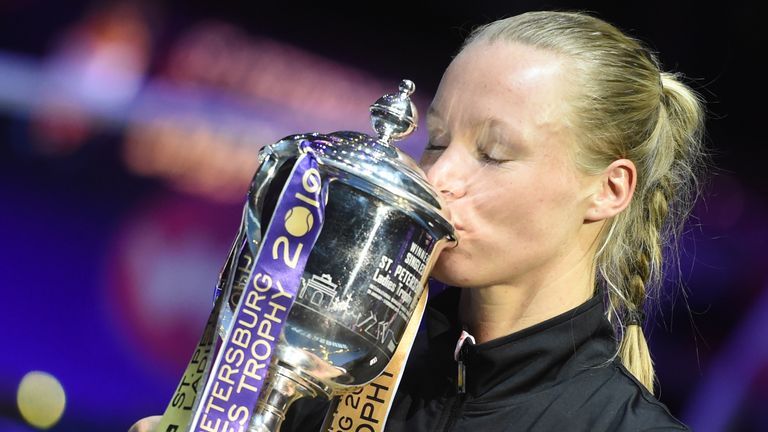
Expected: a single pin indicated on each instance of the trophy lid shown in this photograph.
(394, 116)
(372, 164)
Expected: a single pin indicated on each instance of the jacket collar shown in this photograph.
(528, 360)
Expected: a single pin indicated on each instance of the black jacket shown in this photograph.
(559, 375)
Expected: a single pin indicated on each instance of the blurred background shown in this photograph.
(129, 133)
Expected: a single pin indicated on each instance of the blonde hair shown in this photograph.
(624, 107)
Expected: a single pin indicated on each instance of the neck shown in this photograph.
(495, 311)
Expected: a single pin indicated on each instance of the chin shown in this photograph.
(447, 271)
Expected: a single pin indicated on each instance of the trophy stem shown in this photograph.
(284, 388)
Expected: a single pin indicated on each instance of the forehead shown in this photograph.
(522, 86)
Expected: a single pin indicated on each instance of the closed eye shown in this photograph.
(433, 147)
(485, 158)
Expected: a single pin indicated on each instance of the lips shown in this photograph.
(449, 216)
(456, 224)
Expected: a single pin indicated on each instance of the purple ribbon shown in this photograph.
(243, 360)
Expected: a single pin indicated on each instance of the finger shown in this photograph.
(147, 424)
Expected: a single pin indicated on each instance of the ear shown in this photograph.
(615, 187)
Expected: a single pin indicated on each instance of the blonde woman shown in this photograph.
(567, 158)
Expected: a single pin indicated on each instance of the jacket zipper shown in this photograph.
(453, 414)
(461, 381)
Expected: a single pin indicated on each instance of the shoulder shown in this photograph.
(618, 402)
(599, 399)
(602, 398)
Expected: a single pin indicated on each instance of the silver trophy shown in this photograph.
(382, 233)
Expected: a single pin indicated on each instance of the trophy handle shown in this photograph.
(264, 192)
(257, 212)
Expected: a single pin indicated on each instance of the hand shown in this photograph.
(147, 424)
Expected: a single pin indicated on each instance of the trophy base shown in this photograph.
(282, 389)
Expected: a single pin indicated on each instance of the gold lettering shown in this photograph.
(206, 424)
(234, 355)
(245, 266)
(280, 292)
(218, 393)
(251, 313)
(241, 337)
(291, 262)
(275, 308)
(307, 200)
(225, 372)
(265, 279)
(311, 180)
(253, 298)
(265, 327)
(267, 349)
(210, 405)
(239, 414)
(250, 371)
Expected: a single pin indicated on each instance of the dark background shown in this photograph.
(107, 261)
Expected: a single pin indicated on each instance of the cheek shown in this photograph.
(511, 226)
(505, 201)
(528, 213)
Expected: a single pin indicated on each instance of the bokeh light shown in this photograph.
(41, 399)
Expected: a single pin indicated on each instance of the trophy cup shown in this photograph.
(338, 235)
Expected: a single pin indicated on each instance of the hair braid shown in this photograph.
(633, 349)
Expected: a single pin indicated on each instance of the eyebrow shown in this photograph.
(487, 122)
(494, 124)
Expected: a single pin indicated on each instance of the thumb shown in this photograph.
(147, 424)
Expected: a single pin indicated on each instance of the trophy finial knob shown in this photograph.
(406, 87)
(394, 116)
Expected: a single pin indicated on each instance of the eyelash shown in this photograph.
(432, 147)
(482, 156)
(486, 159)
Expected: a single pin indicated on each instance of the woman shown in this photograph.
(567, 158)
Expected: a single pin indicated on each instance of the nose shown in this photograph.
(445, 175)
